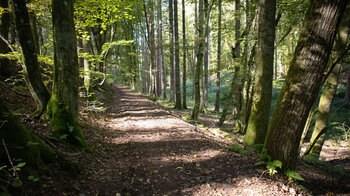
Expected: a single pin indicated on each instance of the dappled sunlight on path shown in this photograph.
(146, 150)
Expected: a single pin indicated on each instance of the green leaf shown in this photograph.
(17, 182)
(2, 167)
(21, 164)
(294, 175)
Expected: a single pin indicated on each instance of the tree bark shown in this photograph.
(259, 117)
(200, 46)
(171, 39)
(330, 88)
(31, 68)
(324, 109)
(218, 66)
(184, 55)
(178, 104)
(63, 105)
(304, 80)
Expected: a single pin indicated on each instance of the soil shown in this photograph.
(142, 148)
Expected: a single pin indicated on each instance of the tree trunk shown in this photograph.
(200, 46)
(184, 55)
(178, 104)
(303, 81)
(31, 68)
(324, 109)
(330, 88)
(218, 68)
(195, 48)
(206, 57)
(159, 49)
(260, 112)
(152, 48)
(347, 92)
(63, 105)
(171, 39)
(87, 74)
(4, 30)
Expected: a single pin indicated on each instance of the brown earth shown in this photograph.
(141, 148)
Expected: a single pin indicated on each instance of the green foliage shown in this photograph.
(17, 182)
(294, 175)
(92, 13)
(238, 149)
(272, 167)
(33, 178)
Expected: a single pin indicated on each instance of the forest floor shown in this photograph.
(142, 148)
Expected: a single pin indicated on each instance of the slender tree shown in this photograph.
(184, 49)
(303, 81)
(171, 39)
(218, 68)
(178, 104)
(259, 117)
(200, 46)
(324, 108)
(31, 68)
(63, 105)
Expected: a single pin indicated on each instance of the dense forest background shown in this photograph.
(274, 74)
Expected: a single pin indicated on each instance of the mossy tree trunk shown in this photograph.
(21, 143)
(324, 108)
(31, 68)
(260, 112)
(303, 81)
(199, 62)
(330, 88)
(63, 105)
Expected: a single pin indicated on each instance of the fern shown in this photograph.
(294, 175)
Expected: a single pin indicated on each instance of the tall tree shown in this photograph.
(63, 105)
(161, 49)
(200, 47)
(171, 39)
(259, 117)
(184, 49)
(178, 104)
(218, 66)
(330, 87)
(304, 80)
(31, 68)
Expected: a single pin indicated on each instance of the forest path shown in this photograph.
(145, 150)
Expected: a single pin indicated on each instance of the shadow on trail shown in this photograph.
(148, 151)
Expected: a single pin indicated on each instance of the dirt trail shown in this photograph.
(143, 149)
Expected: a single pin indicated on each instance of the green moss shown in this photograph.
(238, 149)
(64, 124)
(21, 143)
